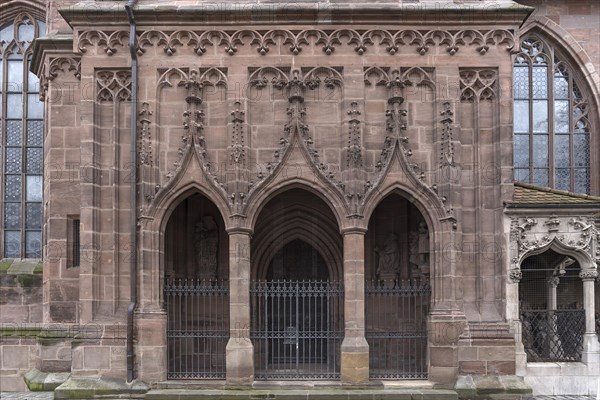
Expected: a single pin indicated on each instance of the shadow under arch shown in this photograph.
(256, 204)
(291, 215)
(161, 211)
(582, 257)
(196, 244)
(433, 214)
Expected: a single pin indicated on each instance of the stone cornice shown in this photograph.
(49, 45)
(92, 13)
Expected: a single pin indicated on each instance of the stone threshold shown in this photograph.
(269, 385)
(326, 393)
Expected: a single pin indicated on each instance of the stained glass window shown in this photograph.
(21, 136)
(551, 125)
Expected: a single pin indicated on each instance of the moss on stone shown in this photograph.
(5, 265)
(29, 280)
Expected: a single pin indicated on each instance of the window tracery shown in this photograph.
(551, 123)
(21, 139)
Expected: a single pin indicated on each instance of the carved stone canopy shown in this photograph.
(573, 236)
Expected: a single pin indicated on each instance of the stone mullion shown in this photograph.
(239, 351)
(355, 349)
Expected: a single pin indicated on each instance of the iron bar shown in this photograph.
(396, 328)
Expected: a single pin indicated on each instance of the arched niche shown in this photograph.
(196, 243)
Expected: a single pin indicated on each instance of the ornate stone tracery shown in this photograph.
(113, 85)
(296, 82)
(478, 84)
(573, 234)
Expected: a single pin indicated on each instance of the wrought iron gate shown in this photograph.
(396, 328)
(297, 329)
(197, 328)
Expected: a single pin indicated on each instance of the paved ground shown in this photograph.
(50, 396)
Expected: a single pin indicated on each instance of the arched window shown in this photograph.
(551, 124)
(21, 136)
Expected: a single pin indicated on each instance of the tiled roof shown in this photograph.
(530, 194)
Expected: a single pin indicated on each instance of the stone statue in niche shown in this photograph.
(388, 264)
(207, 246)
(419, 252)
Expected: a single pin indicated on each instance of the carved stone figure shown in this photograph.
(207, 245)
(423, 249)
(389, 258)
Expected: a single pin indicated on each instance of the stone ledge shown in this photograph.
(38, 381)
(96, 387)
(294, 394)
(489, 386)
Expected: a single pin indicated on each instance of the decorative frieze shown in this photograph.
(295, 40)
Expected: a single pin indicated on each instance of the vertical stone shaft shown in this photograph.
(239, 352)
(355, 349)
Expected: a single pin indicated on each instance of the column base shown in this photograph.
(240, 362)
(355, 360)
(591, 353)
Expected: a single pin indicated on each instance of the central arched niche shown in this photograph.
(298, 260)
(296, 227)
(196, 243)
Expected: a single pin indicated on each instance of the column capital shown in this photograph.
(588, 274)
(354, 230)
(238, 230)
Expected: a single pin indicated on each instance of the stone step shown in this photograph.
(294, 394)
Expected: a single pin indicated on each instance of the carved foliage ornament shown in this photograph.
(528, 235)
(295, 41)
(295, 83)
(447, 145)
(395, 81)
(193, 141)
(145, 136)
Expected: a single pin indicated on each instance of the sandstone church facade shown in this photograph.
(347, 192)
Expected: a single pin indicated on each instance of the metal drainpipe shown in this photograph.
(133, 204)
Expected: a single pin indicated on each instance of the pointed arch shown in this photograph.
(164, 205)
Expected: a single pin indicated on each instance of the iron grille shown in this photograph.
(197, 328)
(297, 329)
(396, 328)
(553, 335)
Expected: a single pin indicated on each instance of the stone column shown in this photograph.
(554, 341)
(355, 350)
(513, 314)
(240, 352)
(591, 347)
(552, 285)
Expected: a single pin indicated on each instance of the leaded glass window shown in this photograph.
(551, 125)
(21, 136)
